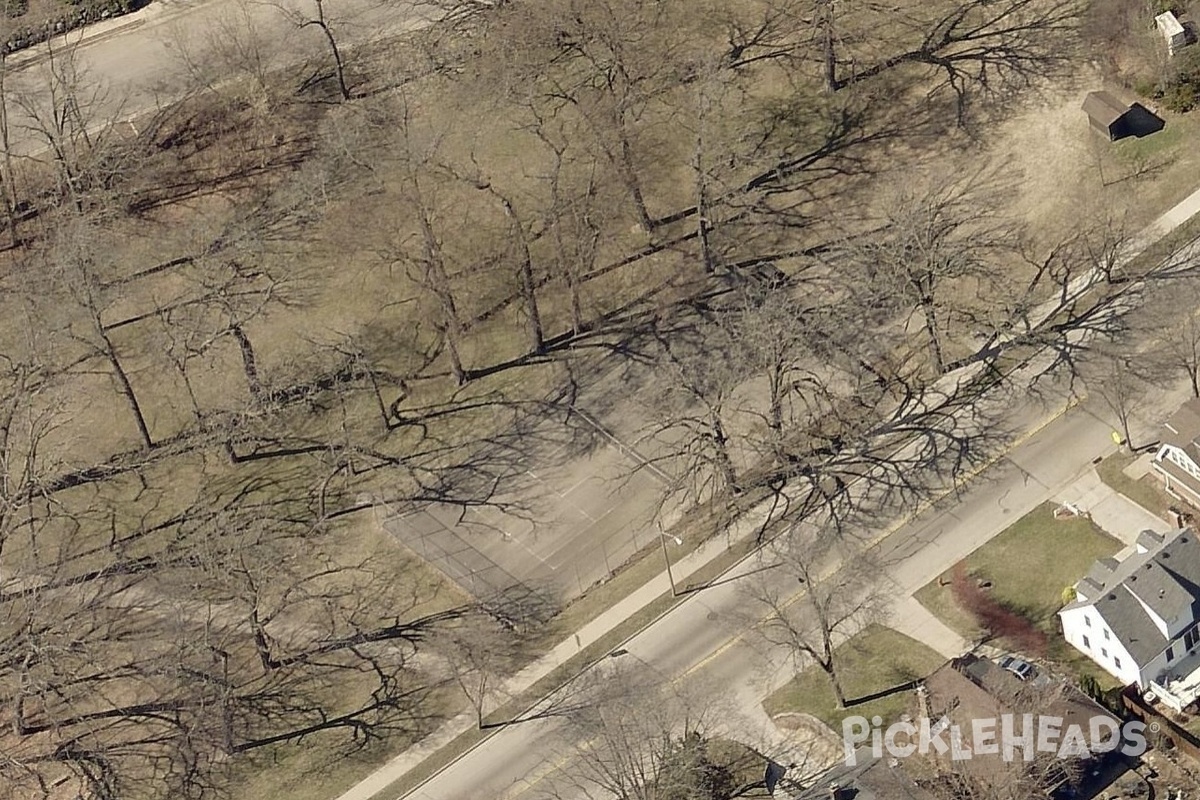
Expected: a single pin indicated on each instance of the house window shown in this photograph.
(1190, 638)
(1104, 652)
(1087, 620)
(1116, 662)
(1106, 636)
(1086, 643)
(1170, 655)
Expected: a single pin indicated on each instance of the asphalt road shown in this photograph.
(705, 638)
(137, 63)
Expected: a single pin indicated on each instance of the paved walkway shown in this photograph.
(912, 619)
(1115, 513)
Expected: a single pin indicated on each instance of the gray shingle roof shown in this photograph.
(1183, 428)
(1165, 579)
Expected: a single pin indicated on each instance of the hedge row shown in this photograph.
(83, 13)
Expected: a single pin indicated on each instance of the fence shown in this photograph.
(1184, 740)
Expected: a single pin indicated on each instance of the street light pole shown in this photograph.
(662, 539)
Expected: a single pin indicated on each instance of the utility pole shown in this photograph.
(662, 539)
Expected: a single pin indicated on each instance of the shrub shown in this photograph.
(993, 616)
(1181, 88)
(1163, 6)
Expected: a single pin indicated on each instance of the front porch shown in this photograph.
(1175, 481)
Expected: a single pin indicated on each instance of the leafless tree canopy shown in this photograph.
(289, 296)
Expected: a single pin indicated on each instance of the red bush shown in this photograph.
(993, 616)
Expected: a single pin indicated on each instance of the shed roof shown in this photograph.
(1169, 24)
(1104, 107)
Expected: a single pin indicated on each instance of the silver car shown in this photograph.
(1021, 668)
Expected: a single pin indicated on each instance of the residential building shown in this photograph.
(1138, 618)
(1177, 462)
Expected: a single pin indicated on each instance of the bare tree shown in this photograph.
(1169, 316)
(820, 594)
(617, 62)
(974, 47)
(71, 261)
(1109, 371)
(318, 19)
(638, 738)
(925, 245)
(698, 372)
(478, 653)
(74, 118)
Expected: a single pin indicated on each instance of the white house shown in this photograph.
(1177, 462)
(1139, 618)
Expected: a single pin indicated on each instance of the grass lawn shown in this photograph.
(1146, 492)
(876, 659)
(1029, 565)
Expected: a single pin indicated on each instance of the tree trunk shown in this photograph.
(439, 283)
(935, 334)
(339, 68)
(456, 365)
(724, 462)
(829, 47)
(702, 226)
(9, 188)
(249, 361)
(528, 285)
(1125, 430)
(834, 683)
(629, 177)
(126, 389)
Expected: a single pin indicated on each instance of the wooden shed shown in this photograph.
(1106, 114)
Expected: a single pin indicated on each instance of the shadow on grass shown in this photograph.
(907, 686)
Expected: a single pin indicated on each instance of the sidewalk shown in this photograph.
(1112, 511)
(912, 619)
(657, 586)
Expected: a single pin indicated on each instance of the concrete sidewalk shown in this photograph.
(912, 619)
(1112, 511)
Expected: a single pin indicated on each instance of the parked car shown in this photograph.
(1019, 667)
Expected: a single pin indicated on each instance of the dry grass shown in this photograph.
(347, 291)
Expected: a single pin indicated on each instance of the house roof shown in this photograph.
(1165, 579)
(1104, 107)
(971, 687)
(871, 779)
(1169, 24)
(1183, 428)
